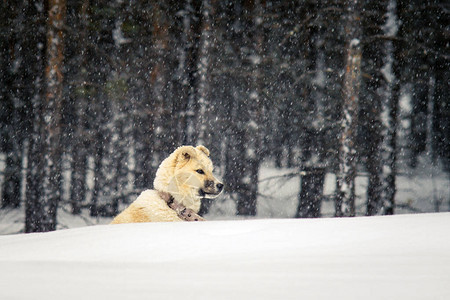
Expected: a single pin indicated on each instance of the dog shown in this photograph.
(181, 181)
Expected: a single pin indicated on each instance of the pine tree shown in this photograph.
(102, 63)
(193, 23)
(441, 72)
(373, 132)
(203, 104)
(78, 95)
(11, 139)
(388, 116)
(43, 192)
(345, 197)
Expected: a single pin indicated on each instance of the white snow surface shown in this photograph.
(395, 257)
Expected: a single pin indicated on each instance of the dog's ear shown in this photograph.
(203, 149)
(185, 153)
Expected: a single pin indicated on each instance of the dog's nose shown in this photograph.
(219, 186)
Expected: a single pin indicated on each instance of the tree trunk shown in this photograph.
(16, 90)
(377, 101)
(345, 196)
(202, 101)
(390, 162)
(159, 80)
(188, 52)
(79, 138)
(52, 111)
(203, 115)
(97, 191)
(13, 170)
(45, 150)
(311, 192)
(78, 188)
(389, 109)
(251, 134)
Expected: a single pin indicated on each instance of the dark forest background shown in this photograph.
(104, 90)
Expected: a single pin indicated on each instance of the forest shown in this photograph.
(94, 94)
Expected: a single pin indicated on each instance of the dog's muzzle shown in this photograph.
(211, 189)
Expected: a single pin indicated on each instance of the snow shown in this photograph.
(118, 36)
(354, 42)
(390, 28)
(399, 257)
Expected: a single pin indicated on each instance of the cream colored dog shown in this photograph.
(186, 177)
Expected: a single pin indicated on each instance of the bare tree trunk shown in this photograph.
(186, 73)
(96, 193)
(203, 115)
(52, 110)
(389, 115)
(11, 188)
(43, 215)
(390, 164)
(311, 192)
(345, 196)
(252, 133)
(16, 90)
(79, 142)
(36, 63)
(159, 79)
(203, 104)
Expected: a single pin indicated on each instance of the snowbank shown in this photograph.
(398, 257)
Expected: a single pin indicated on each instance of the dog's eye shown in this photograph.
(200, 171)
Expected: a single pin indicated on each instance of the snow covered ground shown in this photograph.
(396, 257)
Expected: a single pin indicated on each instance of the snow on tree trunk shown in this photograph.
(345, 194)
(45, 152)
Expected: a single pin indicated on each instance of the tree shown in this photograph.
(251, 134)
(441, 72)
(102, 126)
(311, 192)
(253, 80)
(204, 127)
(388, 116)
(374, 115)
(10, 108)
(195, 31)
(45, 150)
(345, 196)
(78, 96)
(203, 65)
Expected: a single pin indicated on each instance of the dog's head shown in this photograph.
(187, 175)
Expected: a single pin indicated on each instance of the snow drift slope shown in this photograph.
(399, 257)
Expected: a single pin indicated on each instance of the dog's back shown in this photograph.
(148, 207)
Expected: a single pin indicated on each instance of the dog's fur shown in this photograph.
(187, 176)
